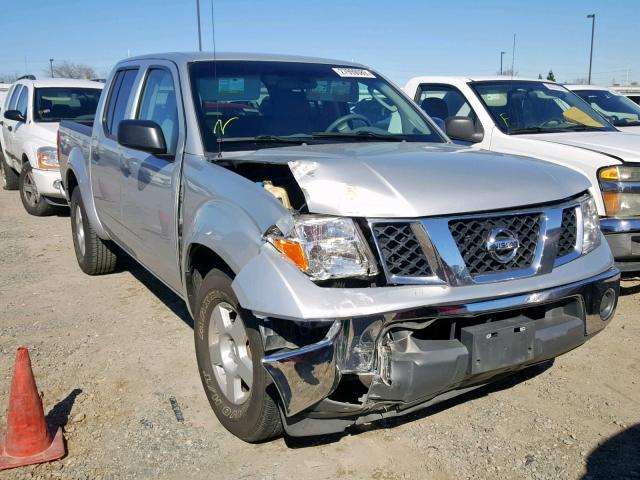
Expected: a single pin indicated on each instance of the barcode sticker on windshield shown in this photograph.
(553, 86)
(354, 73)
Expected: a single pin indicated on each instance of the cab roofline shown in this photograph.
(189, 57)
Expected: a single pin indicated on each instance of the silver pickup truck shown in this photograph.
(342, 260)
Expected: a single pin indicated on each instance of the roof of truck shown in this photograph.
(479, 78)
(186, 57)
(61, 82)
(586, 87)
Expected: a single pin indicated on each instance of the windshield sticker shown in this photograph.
(353, 73)
(553, 86)
(230, 86)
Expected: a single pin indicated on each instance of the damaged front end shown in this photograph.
(368, 368)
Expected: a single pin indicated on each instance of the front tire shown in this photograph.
(10, 179)
(229, 353)
(33, 202)
(95, 256)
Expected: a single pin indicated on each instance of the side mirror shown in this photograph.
(15, 115)
(144, 135)
(462, 128)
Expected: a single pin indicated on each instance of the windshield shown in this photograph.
(262, 103)
(620, 111)
(537, 107)
(63, 103)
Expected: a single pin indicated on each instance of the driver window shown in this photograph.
(21, 106)
(159, 105)
(444, 101)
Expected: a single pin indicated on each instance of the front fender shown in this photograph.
(227, 230)
(76, 164)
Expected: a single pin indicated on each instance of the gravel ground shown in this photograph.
(109, 353)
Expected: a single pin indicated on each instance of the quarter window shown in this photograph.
(158, 104)
(118, 99)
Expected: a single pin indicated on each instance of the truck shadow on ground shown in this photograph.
(503, 384)
(617, 457)
(163, 293)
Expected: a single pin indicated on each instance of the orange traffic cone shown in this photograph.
(28, 439)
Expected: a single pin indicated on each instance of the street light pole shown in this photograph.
(593, 28)
(501, 55)
(199, 32)
(51, 65)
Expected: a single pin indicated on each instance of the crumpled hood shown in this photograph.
(418, 179)
(623, 145)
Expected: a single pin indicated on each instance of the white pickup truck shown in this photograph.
(544, 120)
(623, 112)
(31, 114)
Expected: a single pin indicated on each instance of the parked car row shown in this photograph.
(343, 260)
(32, 112)
(547, 121)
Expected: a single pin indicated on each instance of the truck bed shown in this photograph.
(73, 134)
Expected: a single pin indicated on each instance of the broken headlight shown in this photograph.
(326, 247)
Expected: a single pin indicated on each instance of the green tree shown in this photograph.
(551, 76)
(539, 76)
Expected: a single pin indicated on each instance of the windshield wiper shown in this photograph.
(267, 139)
(571, 128)
(360, 135)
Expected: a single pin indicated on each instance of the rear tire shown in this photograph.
(33, 202)
(95, 256)
(10, 179)
(229, 353)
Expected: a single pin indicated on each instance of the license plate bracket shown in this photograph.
(500, 344)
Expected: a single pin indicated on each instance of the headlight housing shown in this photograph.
(591, 235)
(48, 158)
(620, 186)
(326, 247)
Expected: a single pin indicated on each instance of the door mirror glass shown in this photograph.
(144, 135)
(462, 128)
(15, 115)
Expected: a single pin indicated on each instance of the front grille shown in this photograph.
(400, 251)
(569, 232)
(471, 234)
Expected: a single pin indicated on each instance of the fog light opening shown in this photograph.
(607, 304)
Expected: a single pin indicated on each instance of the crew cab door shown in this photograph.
(106, 181)
(17, 101)
(151, 182)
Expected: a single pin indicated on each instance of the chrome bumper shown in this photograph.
(305, 376)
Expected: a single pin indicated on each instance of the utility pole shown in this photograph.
(501, 55)
(51, 65)
(199, 32)
(593, 29)
(513, 57)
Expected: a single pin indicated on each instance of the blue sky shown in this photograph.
(402, 38)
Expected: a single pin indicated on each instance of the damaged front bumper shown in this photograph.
(402, 361)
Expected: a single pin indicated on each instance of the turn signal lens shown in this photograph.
(610, 173)
(611, 202)
(294, 251)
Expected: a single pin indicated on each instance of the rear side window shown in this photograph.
(21, 106)
(158, 104)
(118, 99)
(11, 105)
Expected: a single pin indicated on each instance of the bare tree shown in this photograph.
(581, 81)
(8, 77)
(72, 70)
(507, 72)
